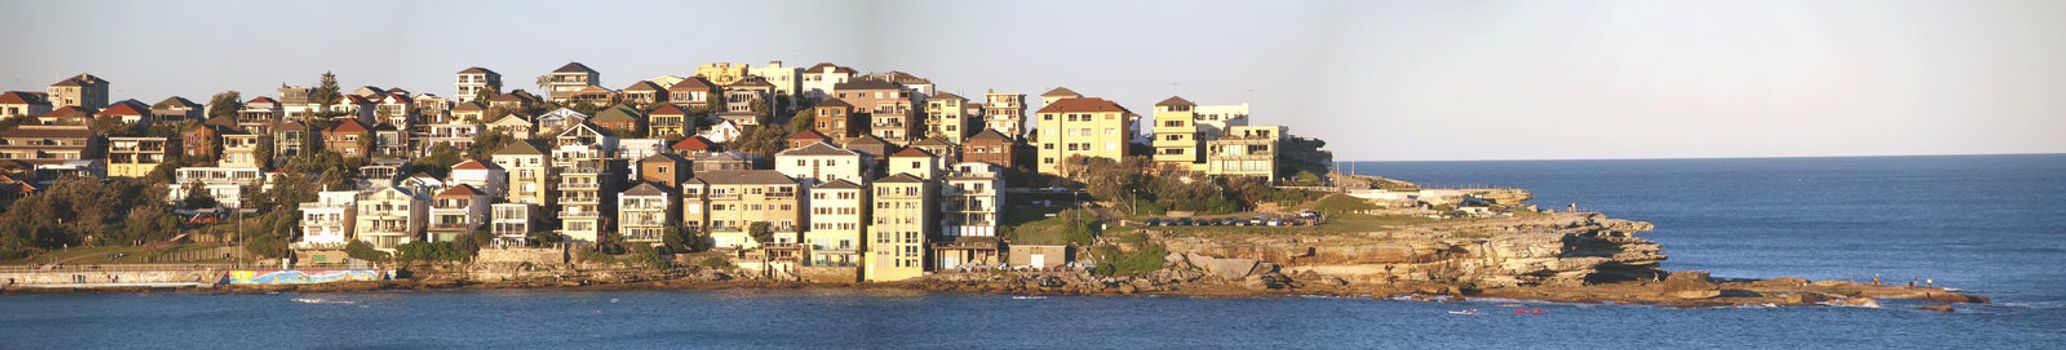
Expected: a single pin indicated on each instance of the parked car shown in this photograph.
(1308, 213)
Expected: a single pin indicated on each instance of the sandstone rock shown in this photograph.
(1230, 269)
(1954, 298)
(1937, 308)
(1691, 285)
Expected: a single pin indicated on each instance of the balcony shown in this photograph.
(566, 214)
(580, 186)
(451, 226)
(581, 200)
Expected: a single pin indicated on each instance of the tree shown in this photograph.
(358, 249)
(1303, 154)
(760, 232)
(326, 91)
(225, 104)
(762, 140)
(803, 120)
(197, 197)
(485, 144)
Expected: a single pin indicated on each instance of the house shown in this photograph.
(1176, 137)
(972, 200)
(530, 173)
(291, 138)
(326, 224)
(379, 173)
(587, 181)
(477, 84)
(171, 109)
(692, 146)
(669, 121)
(901, 223)
(946, 116)
(512, 223)
(666, 169)
(388, 217)
(1086, 127)
(834, 117)
(138, 156)
(784, 79)
(456, 212)
(820, 80)
(692, 93)
(806, 138)
(1058, 94)
(515, 100)
(395, 109)
(888, 105)
(1213, 120)
(563, 83)
(822, 163)
(459, 136)
(423, 182)
(839, 214)
(355, 106)
(644, 213)
(1245, 151)
(592, 96)
(202, 141)
(240, 150)
(872, 146)
(17, 104)
(917, 163)
(643, 93)
(630, 151)
(369, 92)
(390, 141)
(948, 151)
(751, 98)
(621, 120)
(722, 132)
(560, 119)
(989, 146)
(725, 204)
(513, 125)
(722, 161)
(84, 91)
(128, 111)
(229, 187)
(473, 110)
(349, 138)
(294, 103)
(68, 115)
(49, 144)
(486, 177)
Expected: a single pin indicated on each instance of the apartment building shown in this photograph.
(562, 84)
(477, 84)
(512, 223)
(530, 173)
(725, 204)
(838, 217)
(18, 104)
(83, 90)
(819, 163)
(326, 224)
(138, 156)
(990, 146)
(1087, 127)
(1245, 151)
(456, 211)
(902, 221)
(972, 200)
(888, 105)
(49, 144)
(229, 187)
(1176, 136)
(946, 116)
(644, 213)
(388, 217)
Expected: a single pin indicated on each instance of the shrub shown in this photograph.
(360, 250)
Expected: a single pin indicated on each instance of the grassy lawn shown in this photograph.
(1343, 223)
(99, 255)
(1031, 225)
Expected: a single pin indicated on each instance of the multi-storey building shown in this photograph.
(748, 101)
(834, 117)
(722, 73)
(822, 163)
(784, 79)
(49, 144)
(643, 93)
(128, 111)
(916, 162)
(83, 90)
(888, 105)
(562, 84)
(670, 121)
(990, 146)
(725, 204)
(176, 109)
(668, 170)
(456, 211)
(530, 173)
(17, 104)
(839, 214)
(240, 150)
(1087, 127)
(1245, 151)
(349, 138)
(388, 217)
(1058, 94)
(137, 156)
(229, 187)
(902, 221)
(819, 80)
(457, 135)
(477, 83)
(946, 116)
(512, 223)
(326, 224)
(587, 182)
(948, 151)
(291, 138)
(972, 200)
(692, 93)
(1176, 137)
(644, 213)
(1215, 119)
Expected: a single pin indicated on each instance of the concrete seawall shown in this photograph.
(111, 276)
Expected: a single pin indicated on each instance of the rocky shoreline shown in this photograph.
(1551, 257)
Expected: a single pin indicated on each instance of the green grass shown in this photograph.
(99, 255)
(1032, 226)
(1344, 223)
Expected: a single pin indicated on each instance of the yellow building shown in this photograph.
(839, 213)
(722, 73)
(137, 156)
(1245, 151)
(1176, 133)
(726, 203)
(1089, 127)
(903, 217)
(530, 173)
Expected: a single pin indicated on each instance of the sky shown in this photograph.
(1379, 80)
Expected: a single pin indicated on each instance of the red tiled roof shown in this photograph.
(693, 143)
(348, 125)
(125, 107)
(20, 97)
(1082, 104)
(473, 165)
(912, 152)
(462, 190)
(809, 134)
(263, 99)
(668, 109)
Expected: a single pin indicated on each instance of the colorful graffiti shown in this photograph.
(300, 276)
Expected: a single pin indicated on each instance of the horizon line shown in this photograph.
(1718, 157)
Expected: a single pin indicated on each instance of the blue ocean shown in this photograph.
(1992, 225)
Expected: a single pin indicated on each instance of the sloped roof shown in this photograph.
(79, 80)
(125, 107)
(840, 184)
(1083, 104)
(809, 134)
(934, 141)
(520, 148)
(695, 83)
(867, 139)
(574, 67)
(834, 102)
(745, 177)
(668, 109)
(471, 164)
(644, 189)
(21, 97)
(643, 86)
(943, 95)
(68, 111)
(662, 157)
(752, 82)
(175, 101)
(913, 152)
(820, 67)
(692, 143)
(477, 70)
(866, 84)
(262, 99)
(1175, 101)
(900, 178)
(617, 113)
(816, 149)
(470, 106)
(1060, 91)
(462, 190)
(989, 134)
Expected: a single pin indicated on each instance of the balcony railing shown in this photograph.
(580, 214)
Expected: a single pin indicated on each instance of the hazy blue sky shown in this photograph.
(1379, 80)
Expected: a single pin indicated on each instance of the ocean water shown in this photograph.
(1995, 225)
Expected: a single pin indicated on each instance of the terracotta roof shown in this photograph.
(68, 111)
(989, 134)
(866, 139)
(840, 184)
(20, 97)
(692, 143)
(1175, 101)
(866, 84)
(668, 109)
(644, 189)
(39, 131)
(352, 99)
(817, 149)
(834, 102)
(691, 83)
(348, 125)
(820, 68)
(574, 67)
(745, 177)
(1060, 91)
(900, 178)
(913, 152)
(809, 134)
(1082, 104)
(125, 107)
(643, 86)
(471, 164)
(934, 141)
(262, 99)
(477, 70)
(462, 190)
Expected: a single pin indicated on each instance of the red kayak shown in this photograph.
(1536, 311)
